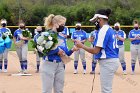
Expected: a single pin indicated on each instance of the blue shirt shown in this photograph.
(53, 54)
(79, 35)
(134, 33)
(107, 41)
(3, 30)
(65, 31)
(18, 34)
(122, 34)
(36, 37)
(93, 34)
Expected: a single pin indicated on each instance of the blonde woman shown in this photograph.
(52, 69)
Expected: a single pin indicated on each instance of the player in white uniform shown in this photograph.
(120, 35)
(105, 49)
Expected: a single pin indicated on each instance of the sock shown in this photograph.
(75, 64)
(38, 65)
(1, 65)
(5, 64)
(133, 66)
(84, 65)
(21, 65)
(123, 66)
(25, 64)
(93, 65)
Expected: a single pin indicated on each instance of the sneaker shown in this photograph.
(132, 73)
(25, 72)
(5, 70)
(0, 70)
(75, 72)
(84, 71)
(124, 72)
(21, 72)
(92, 72)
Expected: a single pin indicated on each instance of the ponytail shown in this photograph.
(48, 21)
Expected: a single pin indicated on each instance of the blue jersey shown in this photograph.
(18, 34)
(107, 41)
(53, 54)
(93, 34)
(79, 35)
(36, 37)
(122, 34)
(3, 30)
(134, 33)
(65, 31)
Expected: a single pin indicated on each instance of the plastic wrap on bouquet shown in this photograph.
(8, 42)
(2, 46)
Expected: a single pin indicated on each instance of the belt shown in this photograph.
(55, 61)
(136, 44)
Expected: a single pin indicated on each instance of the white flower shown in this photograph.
(31, 34)
(40, 48)
(44, 42)
(50, 38)
(45, 33)
(48, 44)
(40, 40)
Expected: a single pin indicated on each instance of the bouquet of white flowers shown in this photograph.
(45, 42)
(6, 34)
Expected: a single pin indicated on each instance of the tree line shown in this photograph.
(34, 11)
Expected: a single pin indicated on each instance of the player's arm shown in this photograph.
(83, 41)
(91, 39)
(23, 38)
(91, 50)
(131, 38)
(121, 38)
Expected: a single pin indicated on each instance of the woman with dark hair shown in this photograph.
(105, 50)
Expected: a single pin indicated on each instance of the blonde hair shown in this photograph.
(51, 19)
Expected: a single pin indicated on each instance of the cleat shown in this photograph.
(84, 72)
(92, 72)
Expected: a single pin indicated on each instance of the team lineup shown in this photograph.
(107, 49)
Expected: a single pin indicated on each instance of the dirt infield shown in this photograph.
(73, 83)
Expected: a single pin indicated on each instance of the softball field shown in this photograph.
(78, 83)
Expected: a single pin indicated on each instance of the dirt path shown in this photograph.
(73, 83)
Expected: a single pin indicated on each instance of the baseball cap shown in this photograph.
(117, 24)
(98, 15)
(78, 24)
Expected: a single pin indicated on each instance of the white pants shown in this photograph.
(4, 56)
(108, 67)
(135, 52)
(80, 52)
(121, 54)
(22, 52)
(52, 75)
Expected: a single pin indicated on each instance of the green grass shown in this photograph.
(70, 45)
